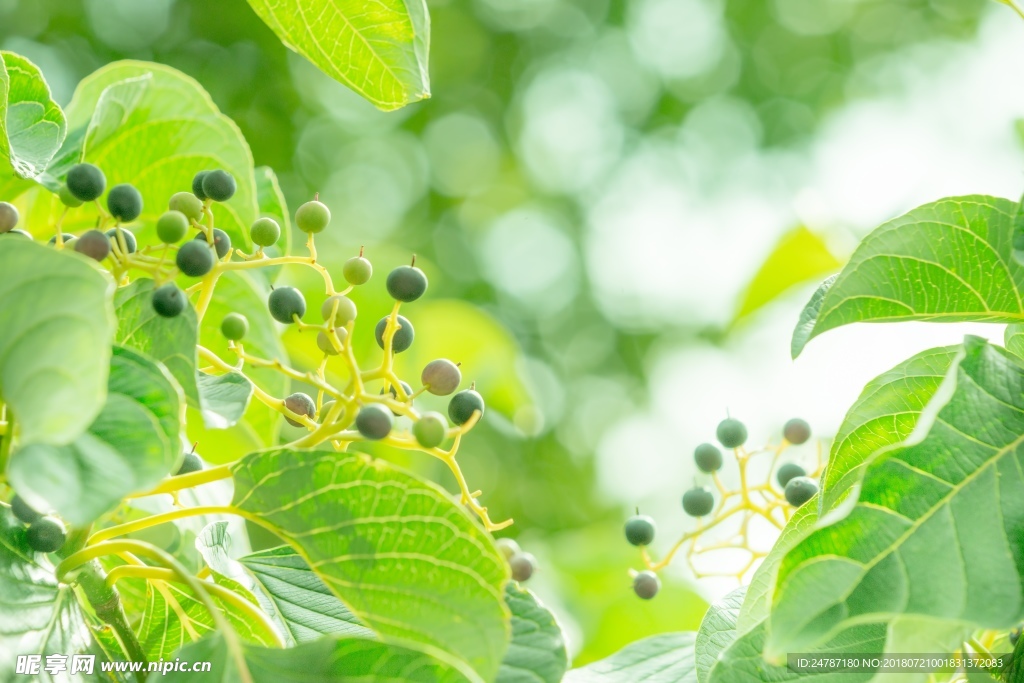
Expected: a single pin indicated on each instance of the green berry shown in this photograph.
(324, 409)
(93, 244)
(507, 547)
(797, 431)
(197, 185)
(65, 236)
(698, 502)
(124, 202)
(219, 185)
(523, 565)
(312, 217)
(86, 182)
(221, 241)
(731, 433)
(394, 392)
(195, 258)
(300, 404)
(404, 335)
(188, 204)
(345, 313)
(357, 270)
(117, 234)
(234, 326)
(67, 199)
(326, 344)
(191, 462)
(406, 283)
(23, 510)
(265, 232)
(8, 217)
(799, 490)
(46, 535)
(441, 377)
(464, 404)
(430, 430)
(788, 472)
(708, 458)
(646, 584)
(286, 302)
(374, 421)
(172, 227)
(640, 530)
(169, 301)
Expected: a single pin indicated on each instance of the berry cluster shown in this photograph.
(763, 501)
(46, 533)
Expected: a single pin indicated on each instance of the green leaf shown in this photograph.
(949, 261)
(537, 651)
(939, 515)
(55, 345)
(224, 398)
(408, 561)
(32, 125)
(1013, 339)
(379, 50)
(717, 632)
(131, 445)
(665, 657)
(800, 256)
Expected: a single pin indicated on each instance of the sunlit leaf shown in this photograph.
(537, 652)
(665, 657)
(32, 125)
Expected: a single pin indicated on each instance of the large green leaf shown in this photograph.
(717, 632)
(940, 515)
(131, 445)
(377, 49)
(223, 399)
(57, 325)
(947, 261)
(408, 561)
(537, 651)
(32, 126)
(1013, 339)
(658, 659)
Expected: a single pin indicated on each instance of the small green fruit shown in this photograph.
(197, 185)
(124, 202)
(430, 430)
(441, 377)
(172, 227)
(169, 301)
(286, 302)
(507, 547)
(265, 232)
(234, 326)
(116, 235)
(357, 270)
(219, 185)
(406, 283)
(708, 458)
(8, 217)
(345, 312)
(374, 421)
(66, 236)
(188, 204)
(195, 258)
(46, 535)
(404, 335)
(788, 472)
(221, 242)
(67, 199)
(23, 511)
(191, 462)
(312, 217)
(464, 404)
(93, 244)
(640, 530)
(698, 502)
(523, 566)
(300, 404)
(799, 490)
(326, 344)
(646, 584)
(731, 433)
(797, 431)
(86, 182)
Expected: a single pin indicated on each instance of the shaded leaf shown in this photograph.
(717, 632)
(224, 398)
(32, 125)
(537, 651)
(658, 659)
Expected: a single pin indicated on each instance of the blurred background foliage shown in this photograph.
(591, 190)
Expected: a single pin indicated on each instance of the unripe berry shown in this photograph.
(312, 217)
(357, 270)
(646, 584)
(8, 217)
(788, 472)
(93, 244)
(195, 258)
(46, 535)
(67, 199)
(221, 242)
(507, 547)
(708, 458)
(286, 302)
(172, 227)
(343, 307)
(797, 431)
(23, 511)
(219, 185)
(464, 404)
(124, 203)
(406, 283)
(265, 232)
(188, 204)
(169, 301)
(404, 335)
(441, 377)
(523, 565)
(799, 490)
(197, 185)
(123, 239)
(374, 421)
(698, 502)
(731, 433)
(234, 326)
(430, 430)
(640, 530)
(191, 462)
(326, 344)
(300, 404)
(86, 182)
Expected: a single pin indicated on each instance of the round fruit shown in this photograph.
(708, 458)
(286, 302)
(219, 185)
(406, 283)
(788, 472)
(698, 502)
(8, 217)
(640, 530)
(374, 421)
(731, 433)
(646, 584)
(507, 547)
(190, 463)
(172, 226)
(346, 309)
(86, 182)
(799, 490)
(93, 244)
(67, 199)
(65, 236)
(797, 431)
(197, 185)
(18, 232)
(441, 377)
(394, 392)
(312, 217)
(234, 326)
(188, 204)
(168, 300)
(523, 565)
(23, 510)
(464, 404)
(326, 344)
(221, 241)
(300, 404)
(357, 270)
(195, 259)
(46, 535)
(124, 202)
(324, 409)
(117, 234)
(265, 232)
(430, 430)
(403, 335)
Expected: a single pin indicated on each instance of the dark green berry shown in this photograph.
(394, 392)
(523, 565)
(219, 185)
(221, 241)
(441, 377)
(646, 584)
(406, 283)
(124, 202)
(374, 421)
(65, 236)
(799, 490)
(698, 502)
(23, 510)
(404, 335)
(312, 217)
(797, 431)
(265, 232)
(640, 530)
(234, 326)
(300, 404)
(326, 344)
(191, 462)
(197, 185)
(169, 301)
(507, 547)
(118, 234)
(344, 309)
(357, 270)
(286, 302)
(464, 404)
(8, 217)
(708, 458)
(195, 259)
(731, 433)
(86, 182)
(188, 204)
(788, 472)
(93, 244)
(67, 199)
(172, 227)
(430, 430)
(46, 535)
